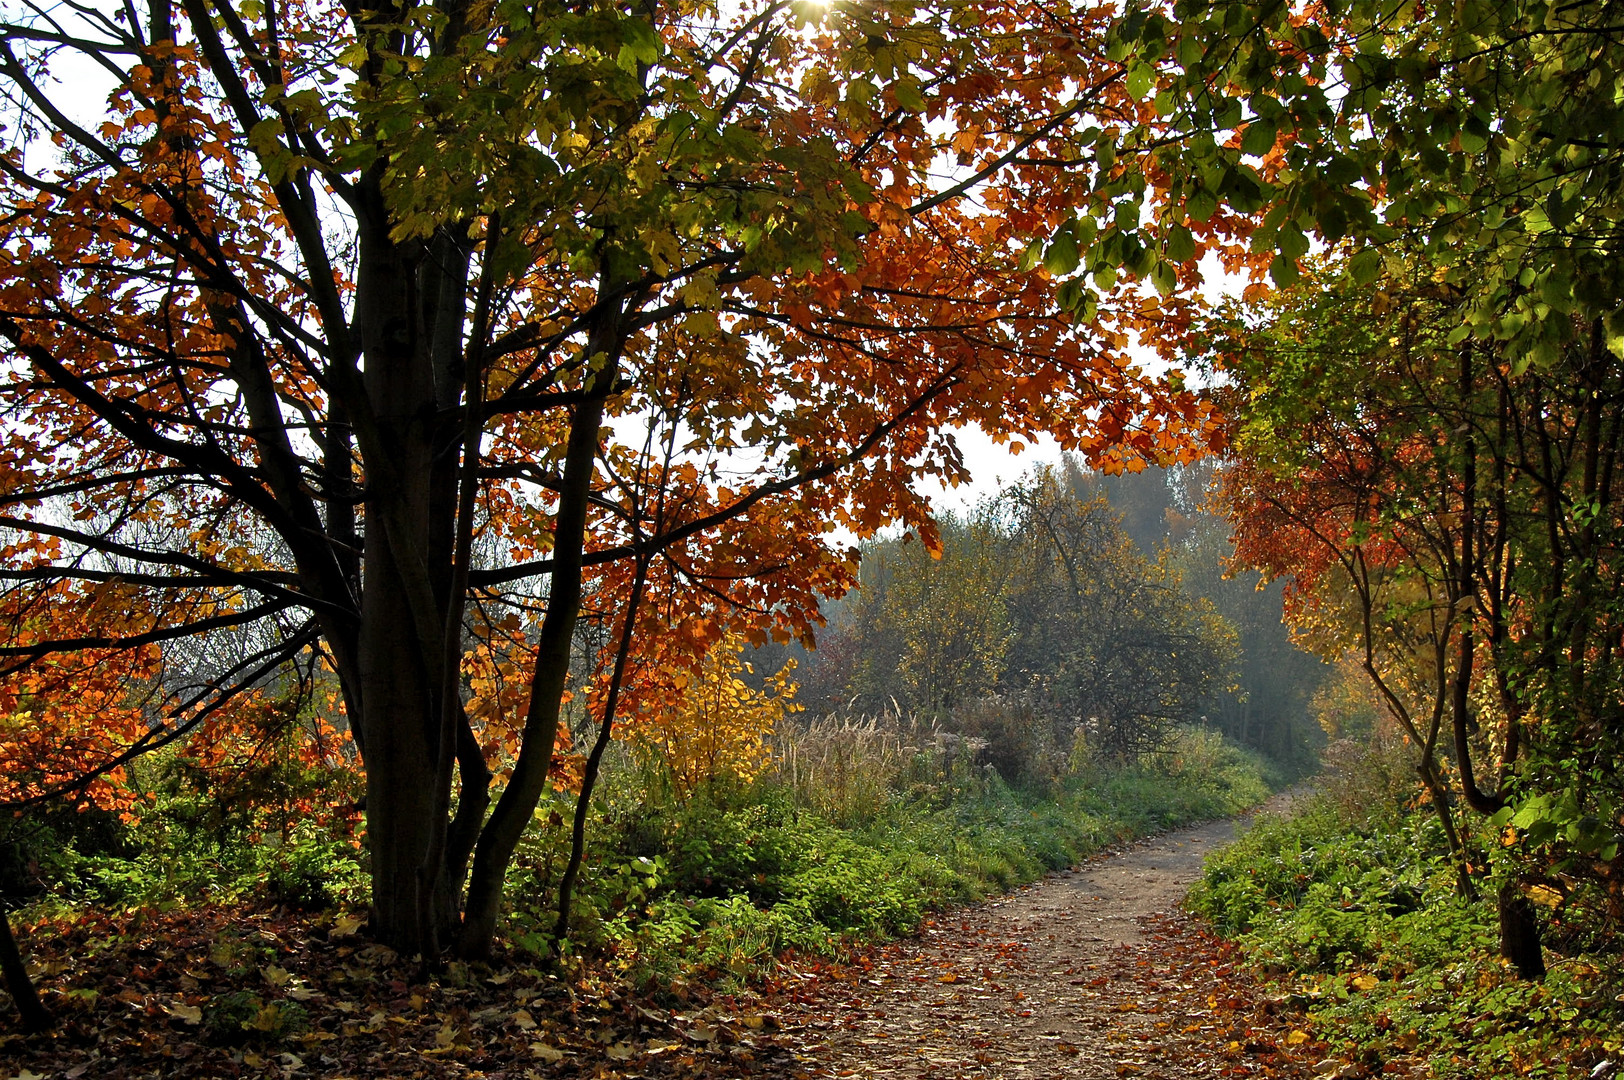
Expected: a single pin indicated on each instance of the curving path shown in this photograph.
(1091, 972)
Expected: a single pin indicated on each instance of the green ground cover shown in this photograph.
(1351, 907)
(714, 885)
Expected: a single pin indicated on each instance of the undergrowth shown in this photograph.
(1356, 917)
(716, 885)
(712, 885)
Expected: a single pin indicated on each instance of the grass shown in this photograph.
(860, 833)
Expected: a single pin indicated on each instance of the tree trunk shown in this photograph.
(399, 636)
(34, 1016)
(589, 776)
(500, 837)
(1519, 933)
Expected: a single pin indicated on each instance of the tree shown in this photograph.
(1038, 600)
(1452, 515)
(714, 726)
(1119, 648)
(1173, 511)
(384, 336)
(932, 625)
(1471, 147)
(1478, 135)
(1337, 487)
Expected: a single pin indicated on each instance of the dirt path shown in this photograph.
(1091, 972)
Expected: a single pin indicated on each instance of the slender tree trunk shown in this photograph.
(500, 837)
(589, 777)
(35, 1018)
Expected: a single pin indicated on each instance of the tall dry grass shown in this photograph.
(849, 768)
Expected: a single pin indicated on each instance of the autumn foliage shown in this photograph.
(410, 338)
(711, 725)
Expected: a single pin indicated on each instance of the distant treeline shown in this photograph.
(1074, 604)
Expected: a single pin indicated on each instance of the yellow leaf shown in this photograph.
(1365, 982)
(542, 1052)
(1296, 1038)
(524, 1021)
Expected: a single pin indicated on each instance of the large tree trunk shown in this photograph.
(399, 634)
(400, 740)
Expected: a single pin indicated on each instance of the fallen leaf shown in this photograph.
(543, 1052)
(187, 1014)
(524, 1021)
(345, 926)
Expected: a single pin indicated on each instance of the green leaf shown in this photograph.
(1258, 139)
(640, 37)
(1284, 271)
(1164, 277)
(1031, 256)
(1069, 295)
(1180, 247)
(1293, 244)
(1365, 266)
(906, 91)
(1062, 257)
(1200, 205)
(1141, 77)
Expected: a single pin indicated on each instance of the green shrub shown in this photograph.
(240, 1016)
(1352, 905)
(311, 869)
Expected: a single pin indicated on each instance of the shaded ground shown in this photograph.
(1088, 973)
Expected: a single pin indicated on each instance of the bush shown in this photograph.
(311, 869)
(239, 1016)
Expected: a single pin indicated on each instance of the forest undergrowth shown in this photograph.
(1352, 912)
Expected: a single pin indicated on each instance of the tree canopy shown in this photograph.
(350, 347)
